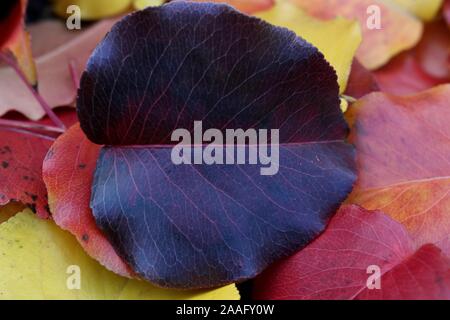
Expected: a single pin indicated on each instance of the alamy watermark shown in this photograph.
(73, 281)
(237, 146)
(373, 21)
(73, 22)
(374, 280)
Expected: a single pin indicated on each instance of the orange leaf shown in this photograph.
(403, 147)
(68, 172)
(399, 29)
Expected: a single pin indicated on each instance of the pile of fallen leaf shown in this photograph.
(364, 178)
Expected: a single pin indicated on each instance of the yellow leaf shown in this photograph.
(337, 39)
(92, 10)
(21, 50)
(41, 261)
(142, 4)
(423, 9)
(387, 28)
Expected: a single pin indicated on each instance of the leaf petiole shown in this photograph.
(349, 99)
(31, 133)
(29, 126)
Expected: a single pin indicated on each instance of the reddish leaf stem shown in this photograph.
(31, 133)
(33, 90)
(29, 126)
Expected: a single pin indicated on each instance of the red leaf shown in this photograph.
(421, 68)
(21, 157)
(68, 171)
(446, 10)
(425, 275)
(361, 81)
(335, 265)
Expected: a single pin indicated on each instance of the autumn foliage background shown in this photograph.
(394, 90)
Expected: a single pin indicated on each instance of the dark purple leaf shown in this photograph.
(193, 226)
